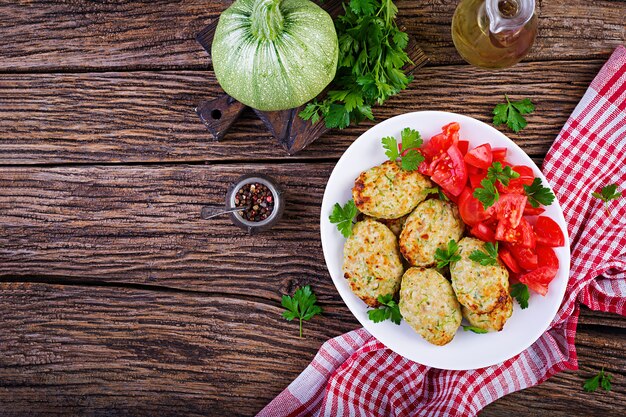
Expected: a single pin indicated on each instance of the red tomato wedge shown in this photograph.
(539, 279)
(463, 146)
(480, 156)
(450, 172)
(510, 208)
(509, 260)
(546, 257)
(441, 142)
(516, 185)
(477, 177)
(499, 154)
(525, 257)
(483, 232)
(548, 232)
(522, 234)
(532, 211)
(471, 209)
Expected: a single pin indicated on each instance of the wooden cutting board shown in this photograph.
(291, 132)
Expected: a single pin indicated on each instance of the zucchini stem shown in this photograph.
(266, 20)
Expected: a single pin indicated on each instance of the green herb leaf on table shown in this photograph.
(302, 305)
(389, 310)
(521, 293)
(343, 217)
(371, 56)
(490, 257)
(410, 156)
(474, 329)
(511, 113)
(488, 194)
(446, 256)
(602, 380)
(607, 194)
(538, 194)
(497, 173)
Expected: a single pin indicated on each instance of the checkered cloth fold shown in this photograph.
(356, 375)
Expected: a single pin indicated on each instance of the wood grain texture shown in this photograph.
(149, 116)
(119, 351)
(79, 35)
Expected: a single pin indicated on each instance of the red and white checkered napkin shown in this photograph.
(356, 375)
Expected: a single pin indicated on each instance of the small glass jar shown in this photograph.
(238, 217)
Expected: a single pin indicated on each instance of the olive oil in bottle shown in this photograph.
(494, 33)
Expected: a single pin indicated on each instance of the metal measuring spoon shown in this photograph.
(208, 212)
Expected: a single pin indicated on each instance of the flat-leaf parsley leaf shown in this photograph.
(503, 174)
(607, 194)
(520, 292)
(489, 257)
(388, 310)
(511, 113)
(302, 306)
(538, 194)
(343, 217)
(602, 379)
(445, 256)
(407, 151)
(488, 194)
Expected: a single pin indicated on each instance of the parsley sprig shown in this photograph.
(436, 190)
(474, 329)
(538, 194)
(487, 257)
(488, 194)
(446, 256)
(372, 52)
(409, 155)
(503, 174)
(343, 217)
(511, 113)
(607, 194)
(388, 310)
(602, 379)
(520, 292)
(302, 306)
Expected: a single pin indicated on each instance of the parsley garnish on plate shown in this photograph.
(497, 173)
(372, 53)
(520, 292)
(602, 379)
(511, 113)
(409, 155)
(388, 310)
(445, 256)
(488, 194)
(436, 190)
(490, 257)
(474, 329)
(343, 217)
(538, 194)
(607, 194)
(302, 306)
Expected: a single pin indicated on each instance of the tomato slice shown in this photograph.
(483, 232)
(463, 146)
(510, 208)
(509, 260)
(471, 209)
(480, 156)
(516, 185)
(525, 172)
(450, 172)
(526, 258)
(546, 257)
(499, 154)
(532, 211)
(476, 177)
(548, 232)
(522, 234)
(539, 279)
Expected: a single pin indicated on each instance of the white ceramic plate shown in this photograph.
(468, 350)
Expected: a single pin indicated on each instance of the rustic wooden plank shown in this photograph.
(67, 36)
(149, 116)
(70, 350)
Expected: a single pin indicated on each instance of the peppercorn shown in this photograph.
(259, 200)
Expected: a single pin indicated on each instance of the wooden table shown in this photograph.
(116, 299)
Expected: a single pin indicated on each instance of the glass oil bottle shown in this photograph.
(494, 33)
